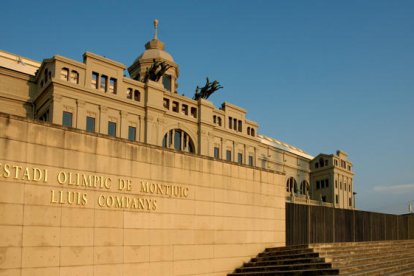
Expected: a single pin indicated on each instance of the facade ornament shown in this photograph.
(155, 28)
(156, 71)
(208, 89)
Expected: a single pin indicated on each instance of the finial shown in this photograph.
(155, 28)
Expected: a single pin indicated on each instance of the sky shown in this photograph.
(320, 75)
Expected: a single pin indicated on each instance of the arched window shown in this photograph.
(74, 77)
(239, 126)
(46, 74)
(137, 96)
(64, 74)
(166, 82)
(248, 130)
(252, 132)
(219, 121)
(291, 185)
(179, 140)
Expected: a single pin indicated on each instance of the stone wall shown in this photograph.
(74, 203)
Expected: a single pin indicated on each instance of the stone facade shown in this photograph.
(101, 172)
(332, 179)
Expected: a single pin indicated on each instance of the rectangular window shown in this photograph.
(216, 152)
(74, 77)
(67, 119)
(112, 85)
(166, 103)
(112, 129)
(263, 164)
(316, 165)
(132, 133)
(326, 162)
(175, 106)
(104, 83)
(240, 128)
(240, 158)
(322, 184)
(336, 184)
(235, 124)
(90, 124)
(194, 112)
(94, 81)
(137, 96)
(184, 109)
(350, 201)
(327, 183)
(336, 199)
(250, 160)
(228, 155)
(64, 74)
(318, 185)
(230, 122)
(129, 93)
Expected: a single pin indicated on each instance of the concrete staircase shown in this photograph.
(369, 258)
(291, 260)
(393, 258)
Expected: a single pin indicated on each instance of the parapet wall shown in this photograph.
(73, 203)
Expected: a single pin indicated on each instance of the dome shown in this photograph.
(155, 50)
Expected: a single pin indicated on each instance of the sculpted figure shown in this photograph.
(156, 71)
(206, 91)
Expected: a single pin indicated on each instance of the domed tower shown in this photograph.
(155, 50)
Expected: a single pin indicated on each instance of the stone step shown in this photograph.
(285, 252)
(394, 265)
(405, 272)
(403, 269)
(359, 244)
(307, 272)
(363, 253)
(351, 248)
(285, 262)
(313, 266)
(367, 258)
(359, 248)
(354, 248)
(288, 256)
(286, 248)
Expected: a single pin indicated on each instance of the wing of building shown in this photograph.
(95, 95)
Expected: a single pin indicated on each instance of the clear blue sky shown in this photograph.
(321, 75)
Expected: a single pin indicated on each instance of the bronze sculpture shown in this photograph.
(206, 91)
(156, 70)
